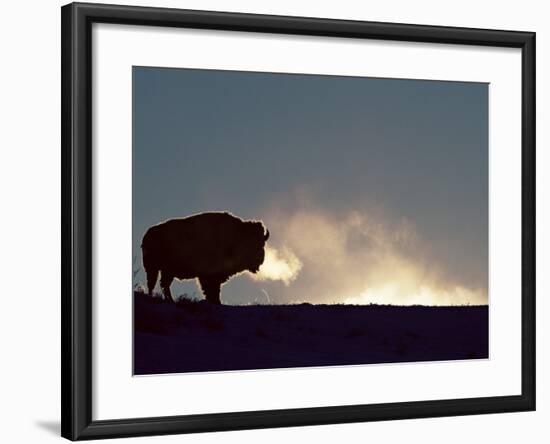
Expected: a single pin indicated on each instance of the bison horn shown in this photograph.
(266, 236)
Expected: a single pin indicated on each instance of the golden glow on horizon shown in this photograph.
(400, 280)
(389, 294)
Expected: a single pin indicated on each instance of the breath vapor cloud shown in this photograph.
(357, 258)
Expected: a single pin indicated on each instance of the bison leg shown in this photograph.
(152, 276)
(211, 288)
(165, 282)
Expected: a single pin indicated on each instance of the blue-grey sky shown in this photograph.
(377, 188)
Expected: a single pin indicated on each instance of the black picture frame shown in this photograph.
(76, 117)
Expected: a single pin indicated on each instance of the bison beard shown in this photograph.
(211, 247)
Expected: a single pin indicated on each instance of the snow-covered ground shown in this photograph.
(196, 336)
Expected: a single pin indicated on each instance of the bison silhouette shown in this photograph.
(211, 247)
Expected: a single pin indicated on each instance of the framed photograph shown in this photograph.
(282, 221)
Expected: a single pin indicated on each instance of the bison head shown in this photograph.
(255, 238)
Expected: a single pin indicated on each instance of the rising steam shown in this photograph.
(279, 265)
(359, 257)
